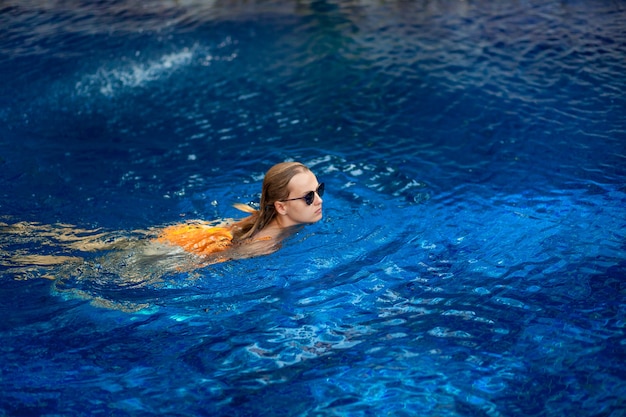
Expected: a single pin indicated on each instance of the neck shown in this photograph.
(278, 230)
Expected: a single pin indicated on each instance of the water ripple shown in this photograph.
(471, 256)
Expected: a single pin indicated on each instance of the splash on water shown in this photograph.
(115, 79)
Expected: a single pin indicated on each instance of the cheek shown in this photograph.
(302, 214)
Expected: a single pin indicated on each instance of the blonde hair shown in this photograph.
(274, 189)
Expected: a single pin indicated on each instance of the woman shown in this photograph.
(290, 197)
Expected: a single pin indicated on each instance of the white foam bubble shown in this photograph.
(111, 81)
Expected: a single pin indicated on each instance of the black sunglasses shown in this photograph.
(310, 196)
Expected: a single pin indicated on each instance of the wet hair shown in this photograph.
(274, 189)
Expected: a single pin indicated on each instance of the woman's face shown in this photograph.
(297, 211)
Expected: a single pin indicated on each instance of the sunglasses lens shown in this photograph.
(320, 190)
(308, 199)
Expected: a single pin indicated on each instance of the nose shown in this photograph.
(318, 199)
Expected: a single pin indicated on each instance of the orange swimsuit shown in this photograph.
(197, 238)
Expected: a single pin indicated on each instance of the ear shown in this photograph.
(281, 208)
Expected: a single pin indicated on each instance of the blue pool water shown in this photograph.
(472, 256)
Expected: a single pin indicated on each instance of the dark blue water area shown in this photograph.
(472, 256)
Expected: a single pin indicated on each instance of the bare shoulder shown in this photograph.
(251, 248)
